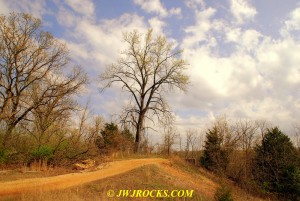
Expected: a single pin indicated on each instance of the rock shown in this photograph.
(85, 164)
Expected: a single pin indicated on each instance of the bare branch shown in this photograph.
(149, 64)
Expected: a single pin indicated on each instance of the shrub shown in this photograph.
(223, 194)
(114, 139)
(44, 152)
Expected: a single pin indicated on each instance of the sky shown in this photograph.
(243, 55)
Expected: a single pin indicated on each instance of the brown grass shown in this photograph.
(163, 175)
(149, 177)
(18, 174)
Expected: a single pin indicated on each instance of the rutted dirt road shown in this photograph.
(111, 169)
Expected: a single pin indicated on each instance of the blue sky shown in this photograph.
(243, 55)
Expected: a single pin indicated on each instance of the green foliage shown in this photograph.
(127, 135)
(223, 194)
(291, 186)
(112, 138)
(43, 152)
(276, 165)
(109, 132)
(3, 157)
(7, 155)
(215, 156)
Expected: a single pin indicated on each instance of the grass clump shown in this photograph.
(223, 194)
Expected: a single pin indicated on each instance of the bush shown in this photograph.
(223, 194)
(6, 155)
(44, 152)
(2, 157)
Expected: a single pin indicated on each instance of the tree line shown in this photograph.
(257, 156)
(38, 84)
(39, 116)
(254, 154)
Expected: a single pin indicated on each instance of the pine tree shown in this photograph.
(276, 165)
(215, 157)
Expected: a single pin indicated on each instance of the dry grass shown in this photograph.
(149, 177)
(18, 174)
(169, 175)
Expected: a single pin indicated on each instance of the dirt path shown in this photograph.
(69, 180)
(112, 169)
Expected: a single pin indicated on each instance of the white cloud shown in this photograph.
(85, 7)
(242, 11)
(36, 7)
(245, 39)
(175, 11)
(156, 7)
(152, 6)
(157, 25)
(262, 85)
(200, 31)
(258, 79)
(66, 18)
(105, 39)
(194, 4)
(100, 40)
(293, 21)
(78, 50)
(279, 63)
(291, 26)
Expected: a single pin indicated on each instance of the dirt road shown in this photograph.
(68, 180)
(111, 169)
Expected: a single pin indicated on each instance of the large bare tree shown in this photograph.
(147, 68)
(30, 58)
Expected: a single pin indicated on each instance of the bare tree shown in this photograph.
(82, 138)
(30, 57)
(48, 118)
(201, 139)
(296, 137)
(180, 142)
(169, 138)
(220, 143)
(191, 142)
(263, 127)
(248, 131)
(230, 138)
(148, 67)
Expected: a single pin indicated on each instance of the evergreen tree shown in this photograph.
(113, 139)
(276, 165)
(109, 133)
(215, 156)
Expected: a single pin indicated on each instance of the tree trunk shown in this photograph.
(8, 135)
(138, 133)
(137, 139)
